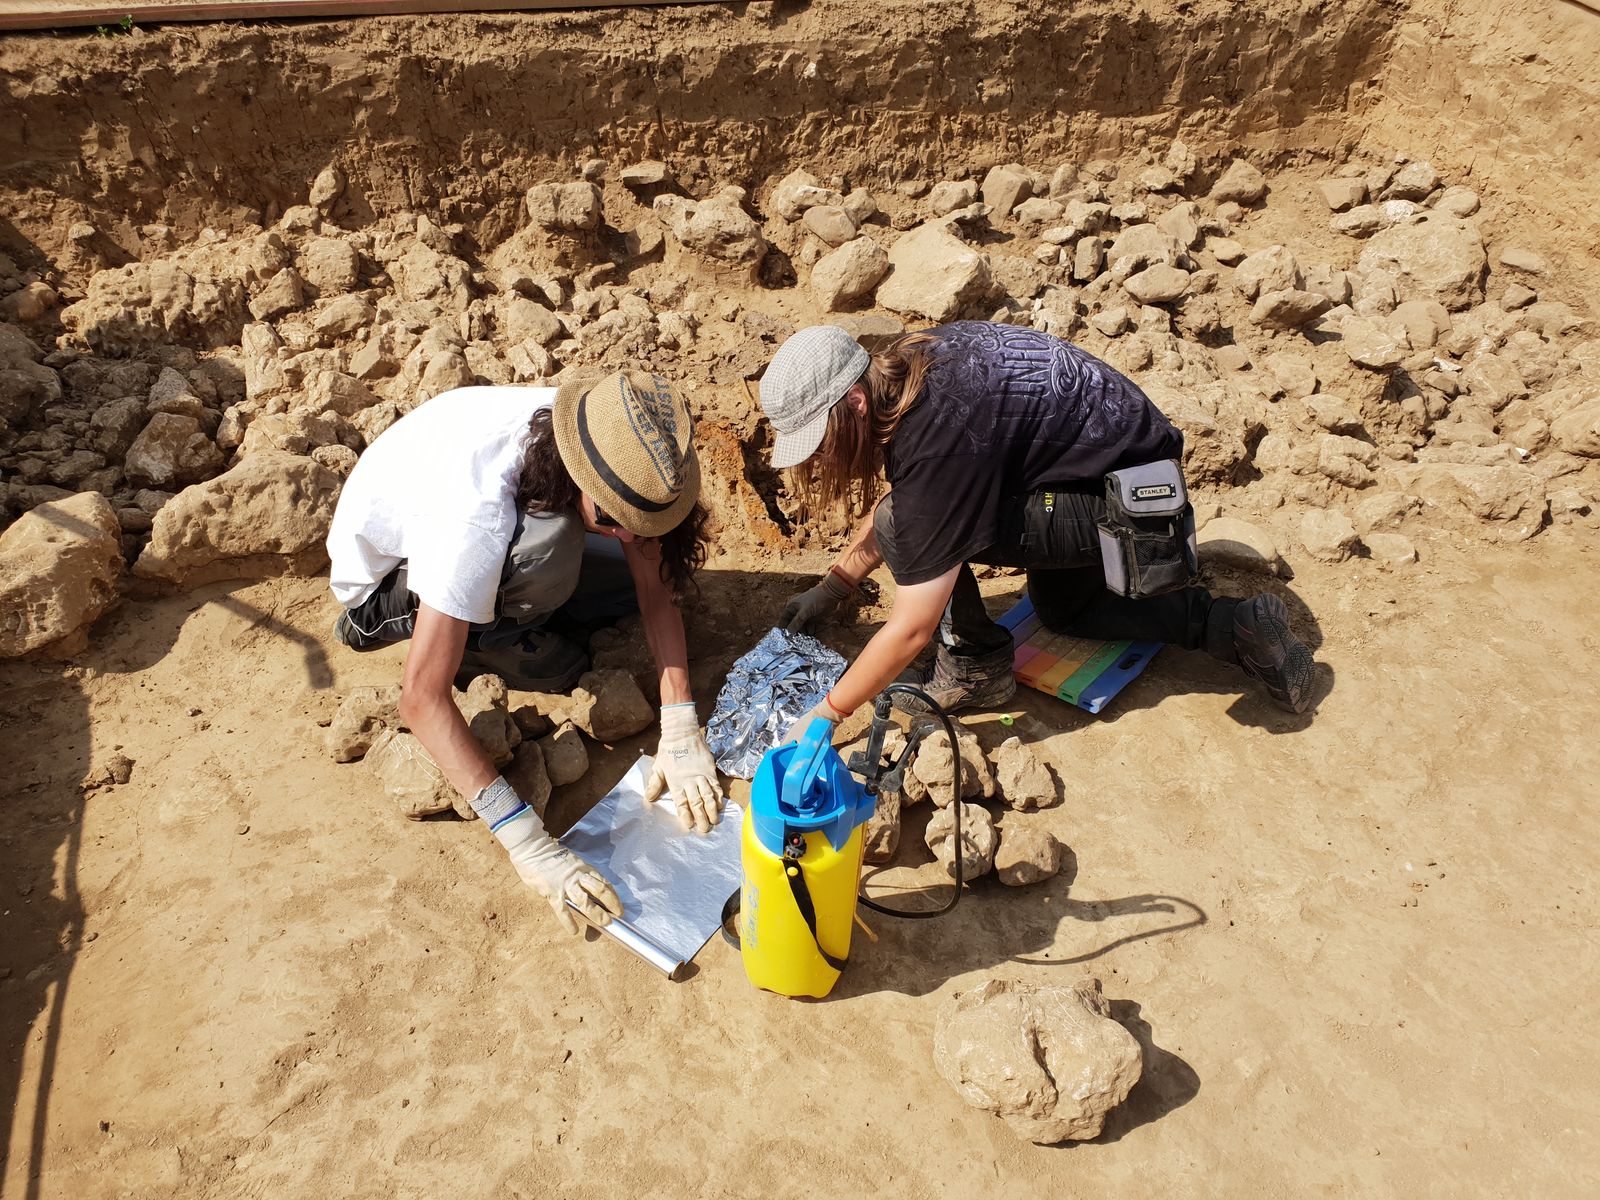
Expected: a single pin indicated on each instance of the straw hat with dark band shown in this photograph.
(628, 443)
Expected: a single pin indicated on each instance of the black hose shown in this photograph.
(955, 791)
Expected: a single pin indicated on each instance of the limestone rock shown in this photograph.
(1439, 258)
(344, 316)
(830, 223)
(848, 274)
(268, 515)
(1328, 535)
(59, 566)
(1231, 542)
(171, 451)
(1288, 308)
(881, 836)
(360, 717)
(934, 274)
(1140, 246)
(977, 840)
(1391, 549)
(1577, 431)
(1412, 182)
(483, 707)
(25, 382)
(1273, 269)
(1024, 780)
(284, 293)
(1006, 186)
(1334, 413)
(1347, 460)
(326, 188)
(566, 758)
(1517, 258)
(409, 777)
(564, 207)
(1158, 284)
(331, 267)
(1370, 344)
(647, 173)
(115, 425)
(1047, 1059)
(1026, 854)
(1342, 194)
(607, 705)
(717, 228)
(934, 766)
(1240, 183)
(1295, 373)
(798, 191)
(529, 776)
(947, 197)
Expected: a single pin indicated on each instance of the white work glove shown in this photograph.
(825, 710)
(543, 863)
(814, 603)
(684, 769)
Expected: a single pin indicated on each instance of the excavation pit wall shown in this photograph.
(157, 186)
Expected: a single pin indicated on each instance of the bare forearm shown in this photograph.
(443, 732)
(862, 556)
(663, 631)
(883, 658)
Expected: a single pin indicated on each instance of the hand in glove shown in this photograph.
(825, 710)
(685, 770)
(816, 602)
(542, 863)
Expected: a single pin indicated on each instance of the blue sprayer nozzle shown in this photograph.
(806, 789)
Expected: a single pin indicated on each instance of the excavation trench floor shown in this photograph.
(1358, 947)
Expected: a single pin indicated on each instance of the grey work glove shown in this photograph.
(814, 603)
(543, 863)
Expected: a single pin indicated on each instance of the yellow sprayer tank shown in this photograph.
(801, 849)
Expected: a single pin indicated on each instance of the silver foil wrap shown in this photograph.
(672, 882)
(768, 690)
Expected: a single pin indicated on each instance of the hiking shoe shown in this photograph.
(957, 682)
(1269, 651)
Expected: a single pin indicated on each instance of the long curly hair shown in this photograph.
(847, 466)
(546, 487)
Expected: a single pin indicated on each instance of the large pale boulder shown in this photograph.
(1577, 431)
(1512, 499)
(59, 566)
(1023, 778)
(798, 191)
(934, 274)
(564, 207)
(1047, 1059)
(845, 276)
(1230, 542)
(1440, 258)
(361, 716)
(1028, 853)
(268, 515)
(934, 767)
(717, 229)
(606, 704)
(410, 778)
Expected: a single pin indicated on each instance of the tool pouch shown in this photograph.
(1147, 540)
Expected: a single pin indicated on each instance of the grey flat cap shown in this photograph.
(808, 375)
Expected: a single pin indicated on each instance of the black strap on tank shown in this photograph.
(794, 846)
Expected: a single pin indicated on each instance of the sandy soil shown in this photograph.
(1358, 946)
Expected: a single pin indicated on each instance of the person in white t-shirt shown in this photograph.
(493, 524)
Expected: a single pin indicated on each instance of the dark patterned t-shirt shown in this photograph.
(1006, 411)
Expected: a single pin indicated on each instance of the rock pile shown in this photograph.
(367, 726)
(1428, 357)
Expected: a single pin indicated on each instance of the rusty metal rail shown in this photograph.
(58, 14)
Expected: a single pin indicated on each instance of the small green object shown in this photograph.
(1006, 719)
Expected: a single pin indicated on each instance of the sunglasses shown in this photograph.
(603, 518)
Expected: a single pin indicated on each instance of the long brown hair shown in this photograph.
(847, 465)
(545, 486)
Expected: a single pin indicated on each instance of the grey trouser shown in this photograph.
(555, 572)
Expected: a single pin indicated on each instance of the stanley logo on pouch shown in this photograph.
(1155, 491)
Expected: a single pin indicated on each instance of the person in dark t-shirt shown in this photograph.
(994, 442)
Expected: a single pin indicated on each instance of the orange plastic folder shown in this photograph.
(1081, 671)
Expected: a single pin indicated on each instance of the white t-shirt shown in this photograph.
(437, 491)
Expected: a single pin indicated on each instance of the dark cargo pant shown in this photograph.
(557, 579)
(1060, 551)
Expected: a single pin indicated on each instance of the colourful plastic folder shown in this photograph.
(1081, 671)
